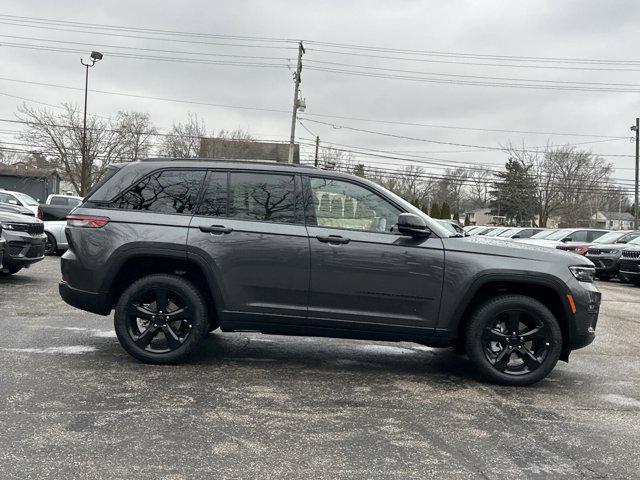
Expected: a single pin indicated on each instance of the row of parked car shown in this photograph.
(30, 230)
(614, 253)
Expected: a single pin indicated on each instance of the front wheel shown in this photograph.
(51, 247)
(514, 340)
(161, 319)
(9, 271)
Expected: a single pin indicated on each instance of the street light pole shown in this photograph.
(95, 57)
(636, 210)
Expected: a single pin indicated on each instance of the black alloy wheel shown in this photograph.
(513, 340)
(161, 318)
(51, 246)
(516, 343)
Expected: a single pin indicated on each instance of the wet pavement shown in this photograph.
(75, 405)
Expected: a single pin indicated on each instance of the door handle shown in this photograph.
(216, 229)
(334, 239)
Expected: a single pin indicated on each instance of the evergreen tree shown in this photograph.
(435, 210)
(445, 211)
(515, 194)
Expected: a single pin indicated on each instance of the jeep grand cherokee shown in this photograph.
(179, 248)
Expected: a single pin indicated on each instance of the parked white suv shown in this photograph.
(20, 199)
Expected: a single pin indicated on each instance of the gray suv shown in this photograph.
(179, 248)
(25, 241)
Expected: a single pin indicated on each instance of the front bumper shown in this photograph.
(630, 269)
(605, 263)
(22, 249)
(582, 329)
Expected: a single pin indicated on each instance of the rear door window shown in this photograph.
(214, 196)
(257, 196)
(167, 191)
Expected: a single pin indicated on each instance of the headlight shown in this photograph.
(8, 226)
(583, 274)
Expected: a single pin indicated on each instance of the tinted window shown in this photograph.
(214, 199)
(577, 236)
(168, 191)
(342, 204)
(262, 197)
(593, 234)
(528, 233)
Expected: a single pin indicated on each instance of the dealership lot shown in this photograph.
(75, 405)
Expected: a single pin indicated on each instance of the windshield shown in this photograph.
(559, 234)
(495, 232)
(508, 232)
(610, 237)
(543, 234)
(26, 199)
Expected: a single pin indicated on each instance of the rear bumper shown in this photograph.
(88, 301)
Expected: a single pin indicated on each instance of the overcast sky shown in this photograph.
(568, 30)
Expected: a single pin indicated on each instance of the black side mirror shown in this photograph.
(565, 240)
(516, 236)
(412, 225)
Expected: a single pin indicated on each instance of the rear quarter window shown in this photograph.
(167, 191)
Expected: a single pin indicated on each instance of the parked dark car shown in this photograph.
(179, 248)
(630, 263)
(2, 246)
(25, 240)
(605, 252)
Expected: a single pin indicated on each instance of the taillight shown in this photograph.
(582, 250)
(86, 222)
(40, 215)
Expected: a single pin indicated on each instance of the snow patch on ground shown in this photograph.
(68, 350)
(621, 400)
(93, 331)
(387, 349)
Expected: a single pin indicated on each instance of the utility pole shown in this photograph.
(636, 128)
(296, 102)
(317, 145)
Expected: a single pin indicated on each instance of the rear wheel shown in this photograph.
(161, 319)
(514, 340)
(51, 247)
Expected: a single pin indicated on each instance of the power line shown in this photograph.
(484, 77)
(480, 64)
(472, 83)
(142, 37)
(439, 142)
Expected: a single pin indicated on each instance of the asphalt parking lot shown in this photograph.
(75, 405)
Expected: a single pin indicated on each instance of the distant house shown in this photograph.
(36, 182)
(222, 148)
(613, 220)
(483, 216)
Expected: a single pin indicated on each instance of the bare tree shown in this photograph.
(183, 140)
(58, 136)
(333, 159)
(135, 135)
(479, 188)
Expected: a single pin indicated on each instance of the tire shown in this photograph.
(491, 344)
(10, 271)
(171, 337)
(51, 247)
